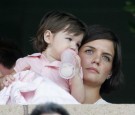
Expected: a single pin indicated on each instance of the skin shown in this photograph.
(96, 60)
(5, 81)
(60, 41)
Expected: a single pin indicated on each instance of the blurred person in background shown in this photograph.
(49, 109)
(9, 53)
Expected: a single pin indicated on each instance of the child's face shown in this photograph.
(63, 40)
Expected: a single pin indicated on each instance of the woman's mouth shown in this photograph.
(93, 70)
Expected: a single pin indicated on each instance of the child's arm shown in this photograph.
(76, 83)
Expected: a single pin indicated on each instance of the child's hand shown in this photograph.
(6, 81)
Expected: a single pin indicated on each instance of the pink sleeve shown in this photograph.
(22, 64)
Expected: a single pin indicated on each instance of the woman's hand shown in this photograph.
(5, 81)
(78, 69)
(76, 83)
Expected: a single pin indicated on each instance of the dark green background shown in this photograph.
(19, 20)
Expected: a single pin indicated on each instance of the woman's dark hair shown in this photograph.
(96, 32)
(49, 108)
(56, 21)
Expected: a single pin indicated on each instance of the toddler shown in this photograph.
(58, 31)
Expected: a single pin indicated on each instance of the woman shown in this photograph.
(100, 55)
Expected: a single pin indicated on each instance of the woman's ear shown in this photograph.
(48, 36)
(109, 76)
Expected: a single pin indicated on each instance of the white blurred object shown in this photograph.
(67, 68)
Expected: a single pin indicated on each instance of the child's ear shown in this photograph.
(48, 36)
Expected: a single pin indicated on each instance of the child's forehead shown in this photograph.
(71, 33)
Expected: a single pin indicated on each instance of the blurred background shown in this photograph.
(19, 21)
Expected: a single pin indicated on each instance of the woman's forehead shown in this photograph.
(101, 44)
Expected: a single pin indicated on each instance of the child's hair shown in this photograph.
(56, 21)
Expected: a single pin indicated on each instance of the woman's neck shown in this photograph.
(92, 94)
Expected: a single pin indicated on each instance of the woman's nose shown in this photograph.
(96, 59)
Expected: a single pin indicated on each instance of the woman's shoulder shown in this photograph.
(101, 101)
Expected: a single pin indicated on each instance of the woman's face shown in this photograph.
(96, 59)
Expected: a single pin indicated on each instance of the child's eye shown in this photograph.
(70, 39)
(78, 45)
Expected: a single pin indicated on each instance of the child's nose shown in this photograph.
(74, 47)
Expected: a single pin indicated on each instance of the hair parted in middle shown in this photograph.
(97, 32)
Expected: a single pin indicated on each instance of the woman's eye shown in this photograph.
(70, 39)
(89, 52)
(106, 58)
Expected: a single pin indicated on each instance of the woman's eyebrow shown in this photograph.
(90, 47)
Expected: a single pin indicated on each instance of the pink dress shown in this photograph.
(38, 63)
